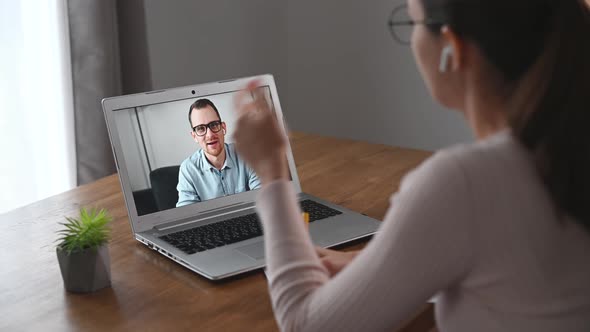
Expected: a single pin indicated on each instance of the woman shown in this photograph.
(499, 230)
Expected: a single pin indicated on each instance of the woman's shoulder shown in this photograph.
(499, 152)
(497, 156)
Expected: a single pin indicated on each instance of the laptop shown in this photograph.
(215, 236)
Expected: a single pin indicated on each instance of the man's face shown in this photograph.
(212, 143)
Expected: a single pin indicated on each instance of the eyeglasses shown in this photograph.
(214, 126)
(401, 24)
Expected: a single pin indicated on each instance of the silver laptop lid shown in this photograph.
(150, 132)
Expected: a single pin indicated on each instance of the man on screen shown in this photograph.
(215, 170)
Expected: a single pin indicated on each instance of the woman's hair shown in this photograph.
(541, 48)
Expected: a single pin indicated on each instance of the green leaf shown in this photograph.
(89, 230)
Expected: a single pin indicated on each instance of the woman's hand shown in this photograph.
(258, 137)
(334, 261)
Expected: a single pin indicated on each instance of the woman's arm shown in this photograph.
(426, 244)
(334, 261)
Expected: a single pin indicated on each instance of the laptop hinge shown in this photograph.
(205, 215)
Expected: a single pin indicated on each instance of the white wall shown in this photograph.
(133, 153)
(338, 71)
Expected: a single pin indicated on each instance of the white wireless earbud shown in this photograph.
(224, 131)
(447, 52)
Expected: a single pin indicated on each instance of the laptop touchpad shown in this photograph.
(255, 250)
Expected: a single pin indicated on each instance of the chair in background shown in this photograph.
(144, 202)
(164, 181)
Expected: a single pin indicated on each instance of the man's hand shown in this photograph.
(334, 261)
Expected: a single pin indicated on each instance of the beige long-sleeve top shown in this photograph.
(473, 225)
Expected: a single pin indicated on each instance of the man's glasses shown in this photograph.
(401, 24)
(214, 126)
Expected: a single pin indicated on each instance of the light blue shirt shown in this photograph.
(198, 180)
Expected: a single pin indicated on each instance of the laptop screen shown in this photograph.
(175, 159)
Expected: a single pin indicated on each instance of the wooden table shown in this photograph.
(150, 292)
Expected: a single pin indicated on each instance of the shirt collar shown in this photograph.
(205, 164)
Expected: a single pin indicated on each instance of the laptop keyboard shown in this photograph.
(235, 230)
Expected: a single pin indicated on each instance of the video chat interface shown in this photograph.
(157, 139)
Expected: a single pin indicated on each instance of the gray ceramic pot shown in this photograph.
(85, 271)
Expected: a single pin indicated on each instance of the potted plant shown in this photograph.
(82, 251)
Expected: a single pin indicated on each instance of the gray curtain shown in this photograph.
(96, 74)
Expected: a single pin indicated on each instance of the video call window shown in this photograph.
(173, 162)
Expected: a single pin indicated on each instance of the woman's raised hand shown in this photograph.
(258, 136)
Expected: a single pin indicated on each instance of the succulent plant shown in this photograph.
(89, 231)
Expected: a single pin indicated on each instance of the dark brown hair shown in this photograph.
(201, 103)
(541, 48)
